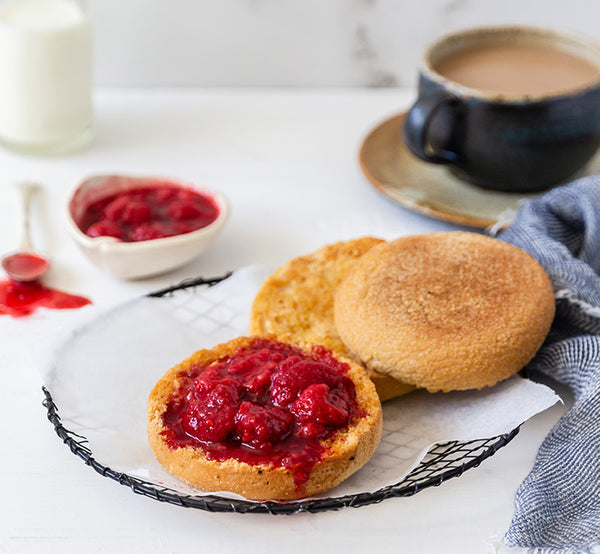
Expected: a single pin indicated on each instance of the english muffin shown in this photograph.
(445, 311)
(264, 419)
(296, 302)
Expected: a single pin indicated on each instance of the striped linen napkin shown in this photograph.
(557, 507)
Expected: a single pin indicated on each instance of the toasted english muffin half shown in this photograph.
(296, 303)
(264, 419)
(445, 311)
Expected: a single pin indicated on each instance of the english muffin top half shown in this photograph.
(445, 311)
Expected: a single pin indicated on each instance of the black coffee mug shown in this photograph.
(509, 142)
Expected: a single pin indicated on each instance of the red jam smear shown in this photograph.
(267, 403)
(20, 299)
(146, 213)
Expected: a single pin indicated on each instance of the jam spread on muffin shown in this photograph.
(266, 403)
(152, 212)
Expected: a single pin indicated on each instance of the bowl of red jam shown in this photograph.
(134, 227)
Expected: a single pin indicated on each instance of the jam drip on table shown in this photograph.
(20, 299)
(268, 403)
(145, 213)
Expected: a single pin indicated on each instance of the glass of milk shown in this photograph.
(45, 75)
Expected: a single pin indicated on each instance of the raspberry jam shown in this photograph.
(151, 212)
(25, 266)
(267, 403)
(20, 299)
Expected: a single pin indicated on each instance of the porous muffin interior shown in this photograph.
(296, 303)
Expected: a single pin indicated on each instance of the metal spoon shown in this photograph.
(25, 264)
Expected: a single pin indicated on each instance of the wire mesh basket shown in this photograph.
(443, 461)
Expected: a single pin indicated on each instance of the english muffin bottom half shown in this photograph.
(265, 419)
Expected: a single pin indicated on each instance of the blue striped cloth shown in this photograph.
(557, 507)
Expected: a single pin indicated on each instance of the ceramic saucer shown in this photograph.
(432, 189)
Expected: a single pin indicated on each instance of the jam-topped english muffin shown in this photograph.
(265, 419)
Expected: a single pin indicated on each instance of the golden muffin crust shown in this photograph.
(445, 311)
(296, 303)
(348, 449)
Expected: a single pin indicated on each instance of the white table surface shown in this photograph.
(287, 161)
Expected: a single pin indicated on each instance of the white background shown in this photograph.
(296, 43)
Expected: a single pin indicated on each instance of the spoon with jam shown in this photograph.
(26, 264)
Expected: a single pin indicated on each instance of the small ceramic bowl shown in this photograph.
(134, 260)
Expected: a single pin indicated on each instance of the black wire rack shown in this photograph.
(442, 462)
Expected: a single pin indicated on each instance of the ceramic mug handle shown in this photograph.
(418, 121)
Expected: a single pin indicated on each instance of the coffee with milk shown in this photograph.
(512, 108)
(521, 68)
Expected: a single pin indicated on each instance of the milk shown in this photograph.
(45, 74)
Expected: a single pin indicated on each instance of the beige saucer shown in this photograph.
(432, 189)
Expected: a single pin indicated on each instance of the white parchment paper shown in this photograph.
(101, 376)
